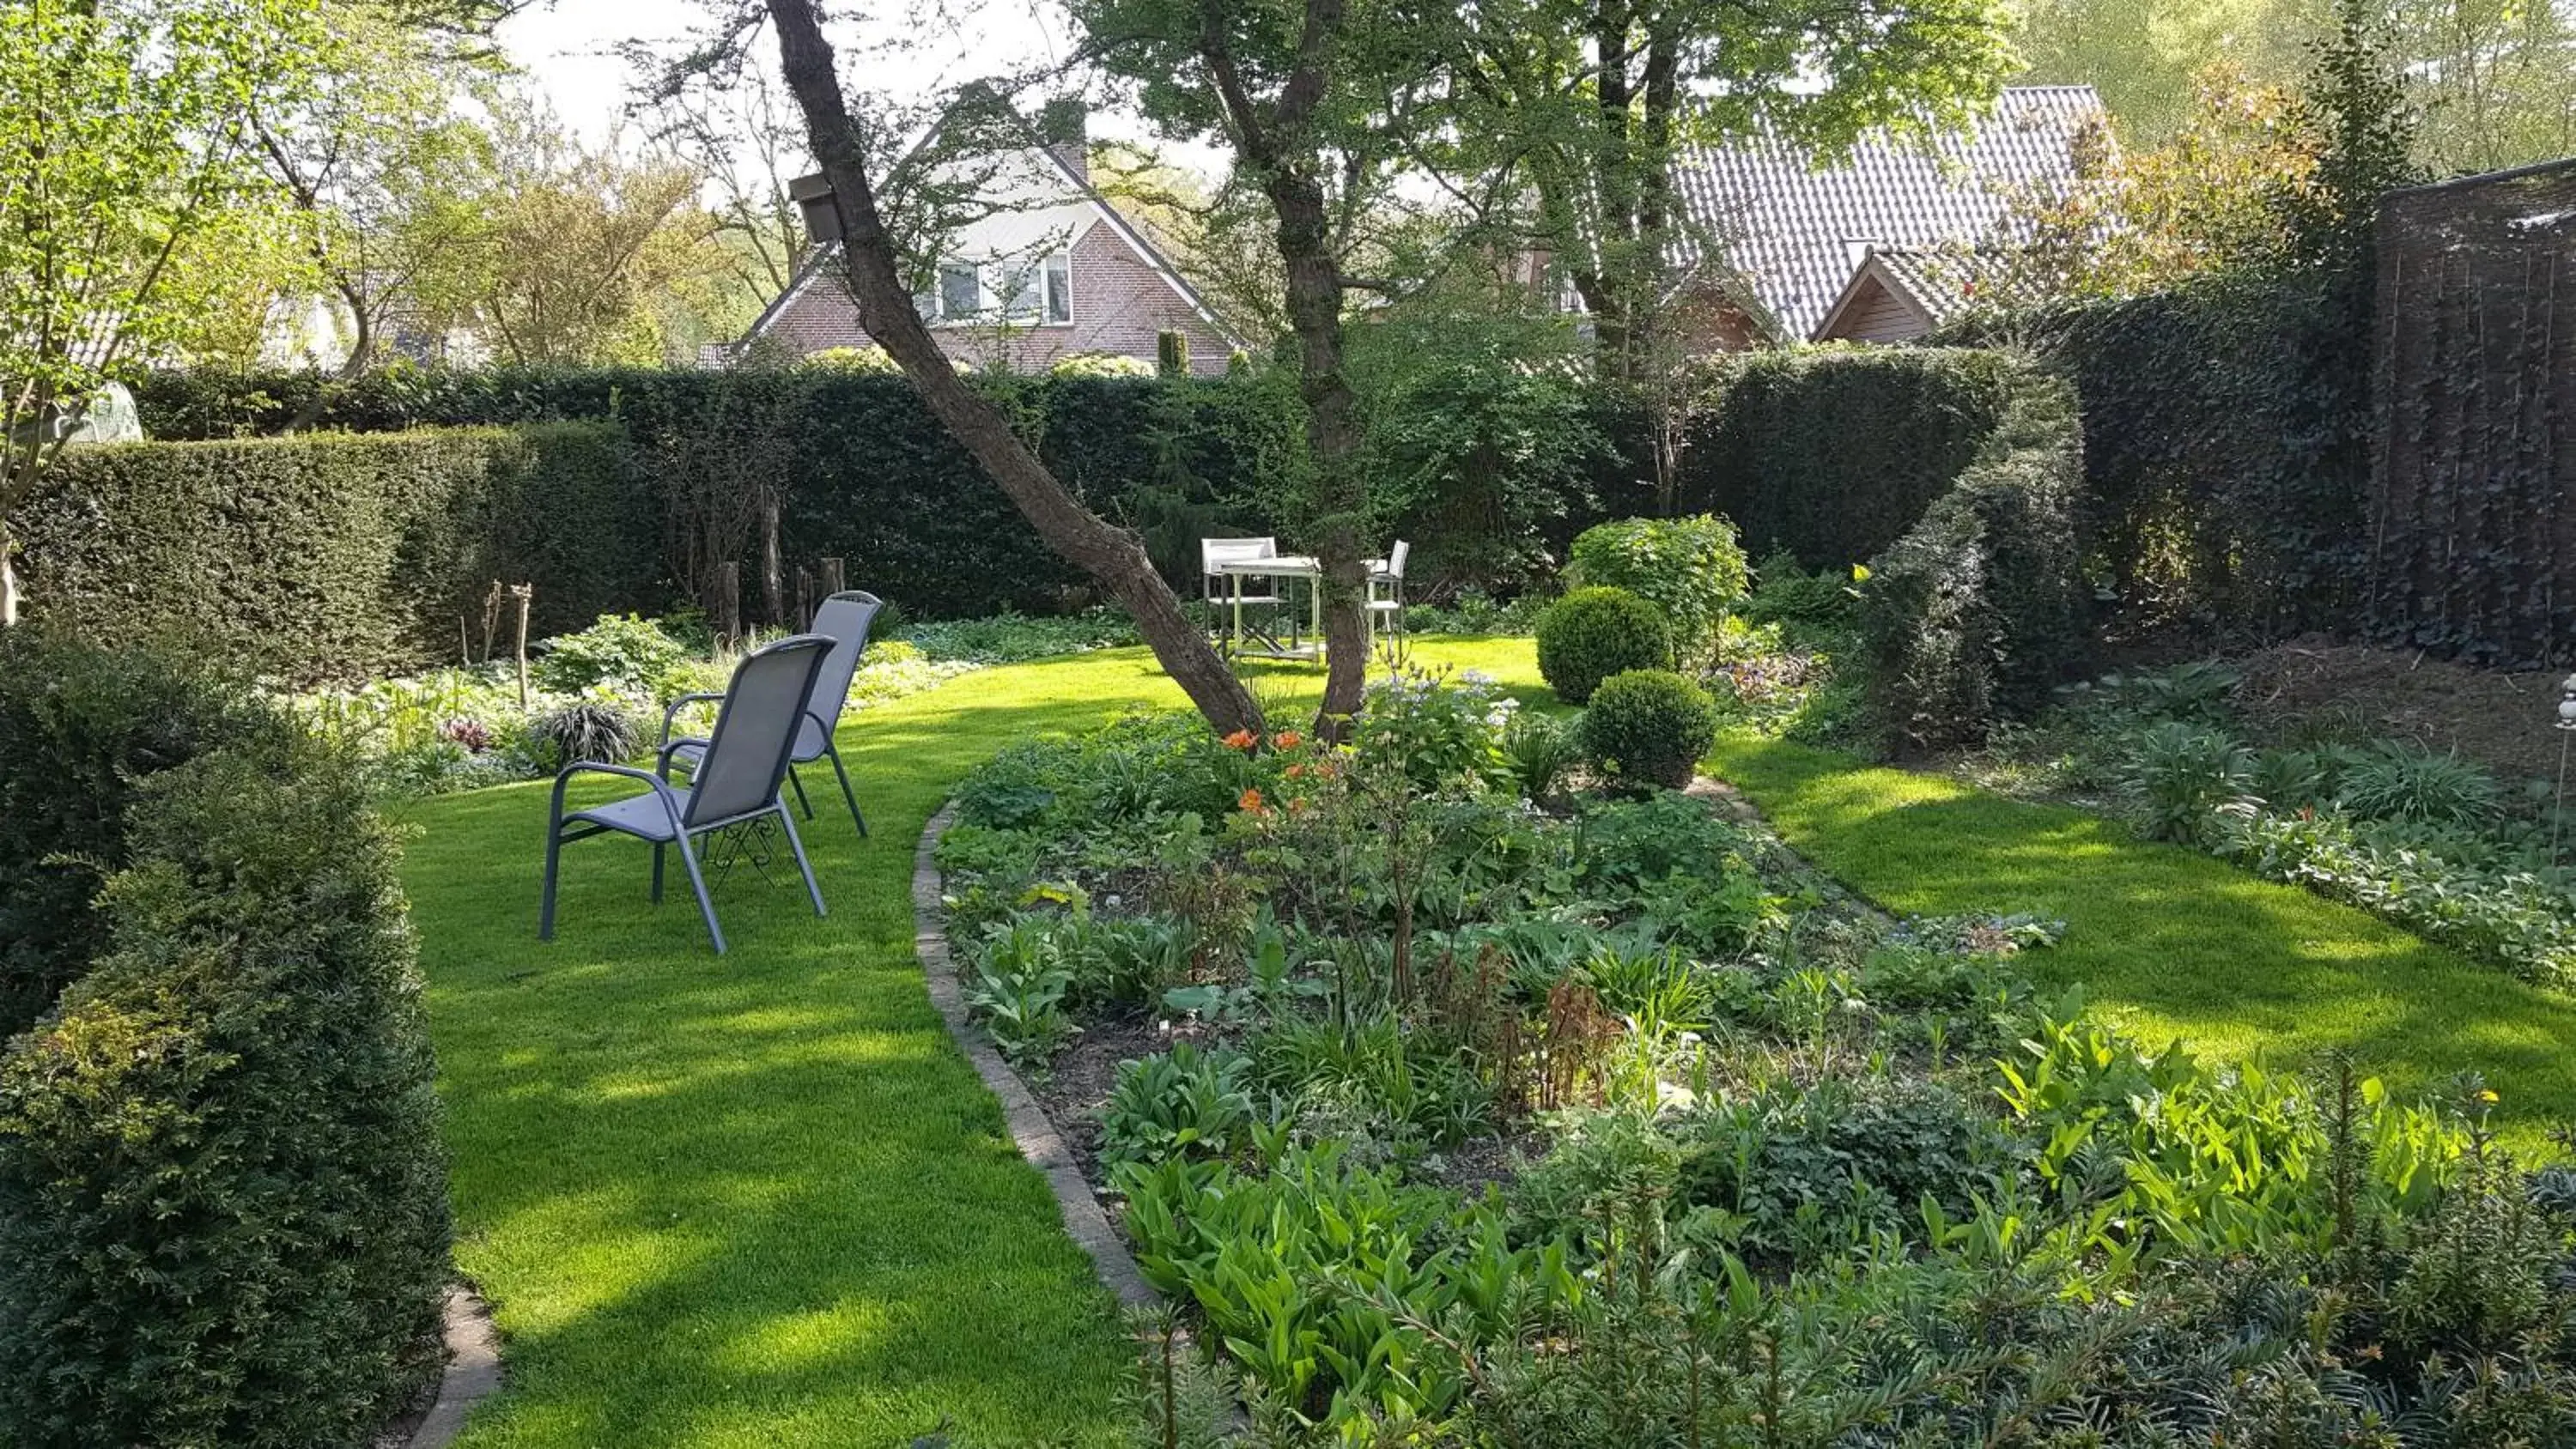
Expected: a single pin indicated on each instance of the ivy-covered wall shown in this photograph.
(2473, 501)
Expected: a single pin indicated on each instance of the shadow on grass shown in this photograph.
(2175, 942)
(760, 1199)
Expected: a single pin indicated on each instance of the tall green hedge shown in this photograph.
(2227, 426)
(222, 1195)
(1833, 453)
(335, 555)
(1978, 609)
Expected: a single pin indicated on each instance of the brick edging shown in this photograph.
(1039, 1142)
(473, 1371)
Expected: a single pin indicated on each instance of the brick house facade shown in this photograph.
(1121, 291)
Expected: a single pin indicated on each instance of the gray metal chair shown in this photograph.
(845, 618)
(742, 767)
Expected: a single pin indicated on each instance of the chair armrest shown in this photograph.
(662, 758)
(661, 787)
(671, 711)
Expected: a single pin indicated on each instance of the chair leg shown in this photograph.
(797, 844)
(807, 805)
(833, 753)
(698, 883)
(554, 856)
(658, 848)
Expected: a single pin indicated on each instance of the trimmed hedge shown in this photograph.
(1833, 453)
(1978, 611)
(222, 1194)
(338, 555)
(1689, 568)
(80, 729)
(2227, 426)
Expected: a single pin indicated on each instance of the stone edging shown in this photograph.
(1039, 1142)
(473, 1371)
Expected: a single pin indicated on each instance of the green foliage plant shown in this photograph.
(1593, 633)
(1690, 569)
(626, 653)
(1648, 727)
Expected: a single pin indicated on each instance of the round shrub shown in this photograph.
(1689, 568)
(1591, 634)
(1648, 727)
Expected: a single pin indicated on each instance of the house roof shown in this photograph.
(818, 259)
(1934, 284)
(1793, 234)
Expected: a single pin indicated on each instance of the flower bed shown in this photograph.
(1460, 1107)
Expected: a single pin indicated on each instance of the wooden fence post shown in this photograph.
(805, 598)
(728, 603)
(832, 577)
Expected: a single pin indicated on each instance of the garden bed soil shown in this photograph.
(2501, 719)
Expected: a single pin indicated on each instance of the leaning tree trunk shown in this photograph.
(1110, 555)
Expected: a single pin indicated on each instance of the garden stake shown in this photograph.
(524, 593)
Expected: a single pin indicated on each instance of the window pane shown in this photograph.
(1020, 293)
(1059, 289)
(958, 299)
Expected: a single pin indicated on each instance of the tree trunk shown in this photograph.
(8, 580)
(1110, 555)
(1333, 434)
(773, 564)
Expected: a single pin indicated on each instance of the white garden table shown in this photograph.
(1278, 566)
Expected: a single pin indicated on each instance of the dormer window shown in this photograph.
(1019, 293)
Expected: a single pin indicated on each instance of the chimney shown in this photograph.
(813, 197)
(1064, 125)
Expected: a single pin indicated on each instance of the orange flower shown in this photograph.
(1242, 740)
(1295, 772)
(1249, 802)
(1297, 806)
(1286, 740)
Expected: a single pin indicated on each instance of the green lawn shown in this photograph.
(761, 1200)
(2173, 942)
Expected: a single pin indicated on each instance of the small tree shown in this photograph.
(125, 142)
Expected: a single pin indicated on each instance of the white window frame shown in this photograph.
(1055, 286)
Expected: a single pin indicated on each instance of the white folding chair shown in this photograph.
(1387, 575)
(1228, 592)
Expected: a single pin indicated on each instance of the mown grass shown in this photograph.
(761, 1199)
(2174, 943)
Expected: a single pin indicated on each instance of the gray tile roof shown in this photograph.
(1794, 234)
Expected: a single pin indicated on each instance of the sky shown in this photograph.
(563, 48)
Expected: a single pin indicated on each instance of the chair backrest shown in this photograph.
(756, 729)
(1215, 552)
(845, 618)
(1395, 559)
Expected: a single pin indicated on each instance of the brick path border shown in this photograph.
(1039, 1142)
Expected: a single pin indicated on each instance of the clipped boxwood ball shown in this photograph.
(1591, 634)
(1648, 727)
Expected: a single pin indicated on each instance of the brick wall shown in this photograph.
(1119, 304)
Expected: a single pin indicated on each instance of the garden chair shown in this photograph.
(1220, 586)
(846, 619)
(1388, 574)
(742, 767)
